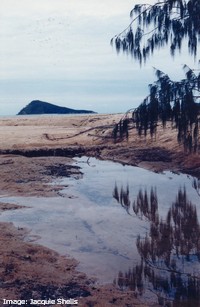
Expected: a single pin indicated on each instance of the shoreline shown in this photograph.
(33, 152)
(30, 271)
(91, 135)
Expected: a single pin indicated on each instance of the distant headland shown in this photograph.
(40, 107)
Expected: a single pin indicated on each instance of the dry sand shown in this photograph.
(36, 149)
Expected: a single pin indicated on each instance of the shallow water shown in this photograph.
(95, 222)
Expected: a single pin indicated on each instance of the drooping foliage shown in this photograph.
(175, 101)
(170, 250)
(166, 22)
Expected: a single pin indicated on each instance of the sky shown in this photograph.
(59, 51)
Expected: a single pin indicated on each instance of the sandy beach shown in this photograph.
(37, 149)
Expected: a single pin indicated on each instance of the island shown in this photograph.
(41, 107)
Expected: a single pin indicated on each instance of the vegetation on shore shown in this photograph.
(166, 23)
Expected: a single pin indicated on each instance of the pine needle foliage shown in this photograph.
(154, 26)
(175, 101)
(166, 23)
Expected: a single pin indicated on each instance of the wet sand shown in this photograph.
(36, 150)
(30, 271)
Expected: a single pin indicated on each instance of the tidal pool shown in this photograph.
(123, 224)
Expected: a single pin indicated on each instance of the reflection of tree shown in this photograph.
(186, 234)
(146, 206)
(170, 252)
(133, 279)
(196, 185)
(172, 288)
(122, 197)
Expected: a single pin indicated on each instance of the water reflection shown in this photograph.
(196, 185)
(122, 197)
(170, 251)
(89, 224)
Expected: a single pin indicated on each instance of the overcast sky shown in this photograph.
(59, 51)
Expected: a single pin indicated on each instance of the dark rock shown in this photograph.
(41, 107)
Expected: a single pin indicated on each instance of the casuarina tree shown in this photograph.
(167, 23)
